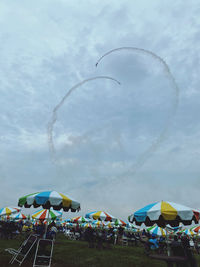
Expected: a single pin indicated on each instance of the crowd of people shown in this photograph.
(100, 238)
(103, 238)
(12, 229)
(179, 245)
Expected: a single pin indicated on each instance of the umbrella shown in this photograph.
(164, 213)
(8, 210)
(49, 199)
(100, 215)
(43, 214)
(156, 230)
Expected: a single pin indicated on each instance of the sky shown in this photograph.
(114, 147)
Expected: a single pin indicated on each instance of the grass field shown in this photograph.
(76, 253)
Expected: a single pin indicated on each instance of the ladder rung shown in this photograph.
(18, 260)
(43, 256)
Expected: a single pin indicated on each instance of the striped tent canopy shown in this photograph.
(98, 223)
(66, 221)
(196, 229)
(17, 216)
(86, 225)
(109, 224)
(136, 230)
(44, 214)
(129, 225)
(119, 223)
(69, 224)
(58, 221)
(156, 230)
(49, 199)
(163, 213)
(8, 210)
(79, 219)
(63, 223)
(100, 215)
(174, 229)
(188, 232)
(37, 222)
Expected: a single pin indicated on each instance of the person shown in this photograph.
(143, 232)
(153, 241)
(162, 245)
(52, 231)
(196, 245)
(188, 252)
(80, 233)
(4, 230)
(115, 236)
(40, 229)
(89, 236)
(132, 238)
(99, 238)
(109, 238)
(120, 234)
(177, 250)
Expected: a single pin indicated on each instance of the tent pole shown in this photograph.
(46, 226)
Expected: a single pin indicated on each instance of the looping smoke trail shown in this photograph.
(147, 52)
(54, 115)
(163, 134)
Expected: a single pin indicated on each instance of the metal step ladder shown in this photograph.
(21, 254)
(43, 254)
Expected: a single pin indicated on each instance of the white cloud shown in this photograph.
(46, 48)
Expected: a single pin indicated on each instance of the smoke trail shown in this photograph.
(54, 115)
(154, 146)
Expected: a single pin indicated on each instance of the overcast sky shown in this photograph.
(117, 147)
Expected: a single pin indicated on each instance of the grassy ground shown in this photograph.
(77, 254)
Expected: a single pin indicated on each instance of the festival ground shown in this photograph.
(77, 254)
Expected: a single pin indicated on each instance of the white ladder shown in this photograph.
(21, 254)
(43, 254)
